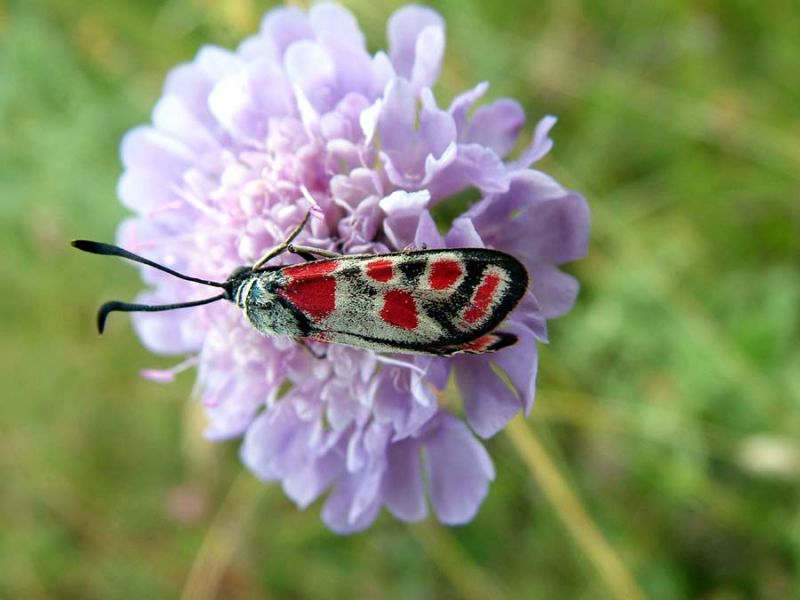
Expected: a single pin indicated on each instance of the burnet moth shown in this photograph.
(440, 302)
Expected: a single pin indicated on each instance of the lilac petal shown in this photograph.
(280, 445)
(562, 229)
(429, 52)
(269, 89)
(528, 314)
(413, 157)
(463, 234)
(459, 470)
(436, 126)
(367, 494)
(191, 83)
(148, 149)
(235, 411)
(395, 406)
(403, 493)
(309, 67)
(473, 166)
(259, 47)
(541, 145)
(488, 402)
(376, 439)
(331, 20)
(342, 408)
(154, 164)
(360, 185)
(462, 103)
(361, 227)
(427, 234)
(172, 117)
(403, 210)
(437, 370)
(338, 508)
(496, 126)
(356, 453)
(145, 191)
(555, 290)
(403, 30)
(268, 438)
(397, 115)
(353, 66)
(382, 73)
(231, 104)
(434, 165)
(286, 26)
(166, 332)
(534, 221)
(242, 105)
(304, 485)
(520, 364)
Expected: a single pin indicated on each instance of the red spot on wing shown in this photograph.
(310, 291)
(314, 297)
(380, 270)
(481, 343)
(310, 269)
(399, 309)
(483, 298)
(444, 273)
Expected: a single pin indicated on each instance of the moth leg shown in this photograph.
(311, 351)
(304, 255)
(308, 250)
(283, 246)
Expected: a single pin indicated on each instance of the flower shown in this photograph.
(301, 116)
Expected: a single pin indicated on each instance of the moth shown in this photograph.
(439, 302)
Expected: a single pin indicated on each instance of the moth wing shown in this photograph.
(411, 301)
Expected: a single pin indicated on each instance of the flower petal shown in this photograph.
(166, 332)
(459, 470)
(462, 103)
(535, 220)
(330, 20)
(338, 508)
(267, 444)
(191, 82)
(463, 234)
(488, 401)
(403, 211)
(285, 26)
(395, 405)
(403, 31)
(555, 290)
(429, 51)
(520, 364)
(541, 144)
(403, 492)
(496, 126)
(304, 485)
(309, 67)
(473, 166)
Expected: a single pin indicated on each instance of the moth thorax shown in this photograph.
(265, 310)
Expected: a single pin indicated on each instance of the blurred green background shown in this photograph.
(669, 398)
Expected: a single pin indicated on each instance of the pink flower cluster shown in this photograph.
(301, 115)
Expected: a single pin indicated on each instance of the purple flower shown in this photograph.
(301, 115)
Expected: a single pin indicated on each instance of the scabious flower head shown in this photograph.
(243, 143)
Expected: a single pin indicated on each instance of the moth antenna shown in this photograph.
(117, 306)
(111, 250)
